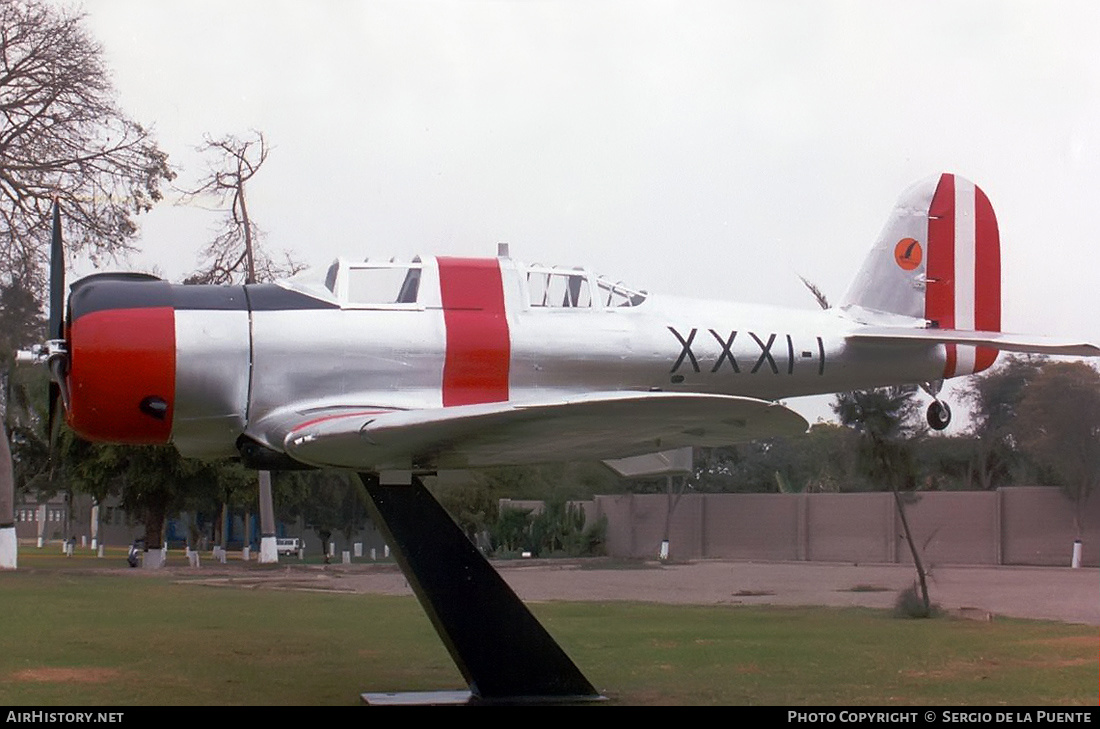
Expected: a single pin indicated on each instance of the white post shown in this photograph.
(9, 543)
(1076, 561)
(9, 548)
(269, 552)
(347, 557)
(95, 525)
(152, 559)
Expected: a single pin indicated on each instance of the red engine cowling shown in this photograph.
(151, 362)
(122, 359)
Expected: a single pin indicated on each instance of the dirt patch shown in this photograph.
(1070, 641)
(66, 675)
(980, 594)
(956, 669)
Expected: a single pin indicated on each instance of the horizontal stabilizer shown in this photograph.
(678, 461)
(1003, 341)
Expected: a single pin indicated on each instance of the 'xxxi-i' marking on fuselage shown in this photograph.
(726, 354)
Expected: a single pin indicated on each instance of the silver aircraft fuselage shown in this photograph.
(242, 357)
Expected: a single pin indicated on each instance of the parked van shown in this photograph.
(288, 545)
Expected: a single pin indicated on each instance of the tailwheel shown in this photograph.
(939, 415)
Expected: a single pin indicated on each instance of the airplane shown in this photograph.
(395, 370)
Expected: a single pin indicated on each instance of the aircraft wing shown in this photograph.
(588, 427)
(997, 340)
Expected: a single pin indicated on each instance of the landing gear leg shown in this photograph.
(502, 650)
(939, 414)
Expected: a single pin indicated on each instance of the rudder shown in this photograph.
(937, 259)
(964, 270)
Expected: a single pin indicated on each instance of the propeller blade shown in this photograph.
(57, 278)
(58, 398)
(55, 416)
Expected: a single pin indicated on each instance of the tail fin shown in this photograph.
(938, 259)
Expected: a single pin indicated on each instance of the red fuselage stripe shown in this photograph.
(475, 369)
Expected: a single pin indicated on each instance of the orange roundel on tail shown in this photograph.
(908, 253)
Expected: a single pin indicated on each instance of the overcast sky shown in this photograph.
(716, 149)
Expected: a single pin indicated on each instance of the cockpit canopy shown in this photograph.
(396, 284)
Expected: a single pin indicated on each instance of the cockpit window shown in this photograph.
(615, 294)
(564, 288)
(558, 288)
(330, 277)
(371, 283)
(396, 285)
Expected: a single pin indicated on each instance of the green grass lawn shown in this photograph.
(73, 635)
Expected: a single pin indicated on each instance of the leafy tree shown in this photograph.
(335, 505)
(552, 527)
(816, 461)
(21, 321)
(153, 482)
(474, 506)
(512, 531)
(994, 399)
(559, 528)
(22, 391)
(947, 463)
(62, 135)
(1059, 425)
(882, 417)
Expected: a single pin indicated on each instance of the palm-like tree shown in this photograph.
(883, 416)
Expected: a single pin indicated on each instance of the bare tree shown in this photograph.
(235, 254)
(62, 135)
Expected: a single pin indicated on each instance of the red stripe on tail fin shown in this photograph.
(964, 270)
(939, 296)
(987, 271)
